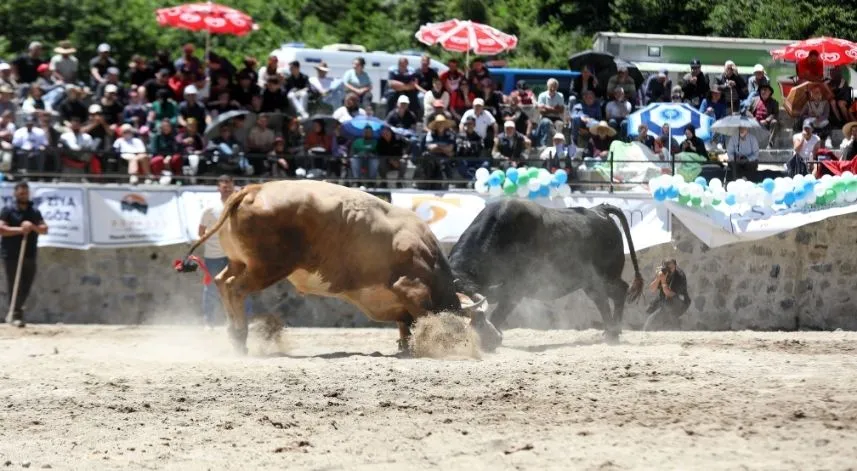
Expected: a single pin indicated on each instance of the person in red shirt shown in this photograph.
(179, 81)
(452, 77)
(810, 69)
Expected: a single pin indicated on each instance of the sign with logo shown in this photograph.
(64, 212)
(448, 214)
(132, 218)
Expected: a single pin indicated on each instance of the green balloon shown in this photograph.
(715, 202)
(852, 186)
(683, 199)
(819, 200)
(829, 196)
(533, 173)
(509, 187)
(523, 179)
(839, 186)
(500, 174)
(696, 201)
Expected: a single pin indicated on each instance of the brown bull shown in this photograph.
(329, 240)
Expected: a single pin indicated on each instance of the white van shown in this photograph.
(339, 58)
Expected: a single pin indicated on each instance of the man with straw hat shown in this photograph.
(440, 147)
(600, 137)
(64, 65)
(20, 226)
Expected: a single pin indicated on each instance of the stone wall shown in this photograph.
(802, 279)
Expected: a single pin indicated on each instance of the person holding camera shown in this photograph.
(673, 300)
(743, 152)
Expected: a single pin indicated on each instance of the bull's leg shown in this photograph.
(414, 294)
(405, 335)
(618, 290)
(230, 283)
(599, 297)
(505, 305)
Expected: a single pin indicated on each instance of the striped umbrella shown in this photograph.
(676, 115)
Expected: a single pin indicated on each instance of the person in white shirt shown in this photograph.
(351, 109)
(551, 105)
(30, 143)
(436, 93)
(484, 119)
(77, 147)
(214, 257)
(559, 151)
(133, 150)
(328, 88)
(806, 145)
(271, 69)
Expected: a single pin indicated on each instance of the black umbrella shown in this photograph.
(604, 65)
(212, 129)
(329, 123)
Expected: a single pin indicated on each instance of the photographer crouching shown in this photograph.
(673, 300)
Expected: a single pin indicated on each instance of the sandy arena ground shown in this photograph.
(96, 397)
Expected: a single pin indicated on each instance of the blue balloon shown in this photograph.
(494, 180)
(809, 185)
(512, 175)
(799, 194)
(533, 195)
(561, 176)
(768, 185)
(555, 183)
(701, 182)
(789, 199)
(730, 199)
(544, 191)
(660, 194)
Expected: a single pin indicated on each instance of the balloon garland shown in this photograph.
(523, 182)
(800, 191)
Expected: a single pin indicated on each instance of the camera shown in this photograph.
(663, 269)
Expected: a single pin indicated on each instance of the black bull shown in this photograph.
(516, 249)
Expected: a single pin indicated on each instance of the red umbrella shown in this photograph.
(466, 36)
(832, 51)
(209, 17)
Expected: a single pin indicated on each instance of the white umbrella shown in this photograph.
(729, 126)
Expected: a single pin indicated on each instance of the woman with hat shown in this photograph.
(849, 143)
(764, 108)
(600, 137)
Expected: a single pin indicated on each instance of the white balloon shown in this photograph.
(555, 192)
(707, 198)
(768, 200)
(534, 185)
(495, 190)
(300, 172)
(523, 191)
(840, 197)
(677, 180)
(545, 178)
(847, 174)
(732, 187)
(481, 187)
(564, 190)
(779, 195)
(826, 177)
(797, 178)
(851, 196)
(482, 174)
(695, 190)
(715, 184)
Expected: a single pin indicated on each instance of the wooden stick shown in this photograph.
(17, 278)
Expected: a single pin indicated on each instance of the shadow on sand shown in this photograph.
(554, 346)
(331, 356)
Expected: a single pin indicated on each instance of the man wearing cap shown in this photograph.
(64, 64)
(132, 149)
(624, 80)
(297, 89)
(111, 108)
(486, 125)
(112, 78)
(402, 116)
(695, 84)
(657, 87)
(732, 87)
(25, 67)
(99, 64)
(30, 142)
(511, 146)
(469, 149)
(402, 80)
(6, 78)
(806, 144)
(188, 61)
(758, 79)
(192, 108)
(523, 93)
(559, 152)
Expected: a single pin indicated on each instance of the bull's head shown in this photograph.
(489, 336)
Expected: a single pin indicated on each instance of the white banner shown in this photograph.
(716, 229)
(132, 218)
(63, 209)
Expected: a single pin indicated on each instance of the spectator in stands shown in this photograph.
(251, 66)
(559, 152)
(155, 85)
(618, 111)
(297, 89)
(111, 108)
(437, 109)
(677, 95)
(78, 147)
(848, 147)
(402, 81)
(34, 101)
(391, 148)
(7, 130)
(6, 101)
(666, 145)
(516, 114)
(219, 85)
(841, 95)
(99, 64)
(764, 108)
(492, 97)
(223, 104)
(164, 108)
(47, 83)
(245, 90)
(478, 74)
(743, 153)
(139, 72)
(30, 143)
(426, 75)
(166, 150)
(357, 82)
(25, 67)
(273, 98)
(452, 77)
(99, 129)
(486, 125)
(271, 69)
(644, 138)
(188, 62)
(320, 145)
(755, 81)
(190, 139)
(440, 147)
(583, 82)
(53, 136)
(524, 94)
(585, 115)
(6, 78)
(364, 153)
(462, 100)
(64, 64)
(810, 69)
(436, 93)
(692, 143)
(552, 108)
(112, 78)
(510, 146)
(203, 88)
(73, 104)
(133, 150)
(732, 87)
(350, 109)
(192, 108)
(218, 68)
(162, 61)
(658, 88)
(695, 84)
(600, 137)
(806, 145)
(713, 105)
(322, 89)
(292, 148)
(818, 109)
(260, 142)
(402, 116)
(227, 148)
(282, 161)
(469, 147)
(623, 80)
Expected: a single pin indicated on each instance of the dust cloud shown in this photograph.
(445, 336)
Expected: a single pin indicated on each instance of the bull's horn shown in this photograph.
(480, 300)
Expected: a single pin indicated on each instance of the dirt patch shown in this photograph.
(445, 336)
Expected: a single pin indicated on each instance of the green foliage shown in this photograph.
(548, 30)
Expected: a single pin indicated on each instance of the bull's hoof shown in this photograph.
(489, 342)
(239, 340)
(405, 350)
(611, 337)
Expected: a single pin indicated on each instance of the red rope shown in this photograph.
(179, 266)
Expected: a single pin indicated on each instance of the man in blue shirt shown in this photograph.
(585, 114)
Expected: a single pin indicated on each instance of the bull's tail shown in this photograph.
(187, 264)
(636, 288)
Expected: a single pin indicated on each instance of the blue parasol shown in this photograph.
(676, 115)
(353, 128)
